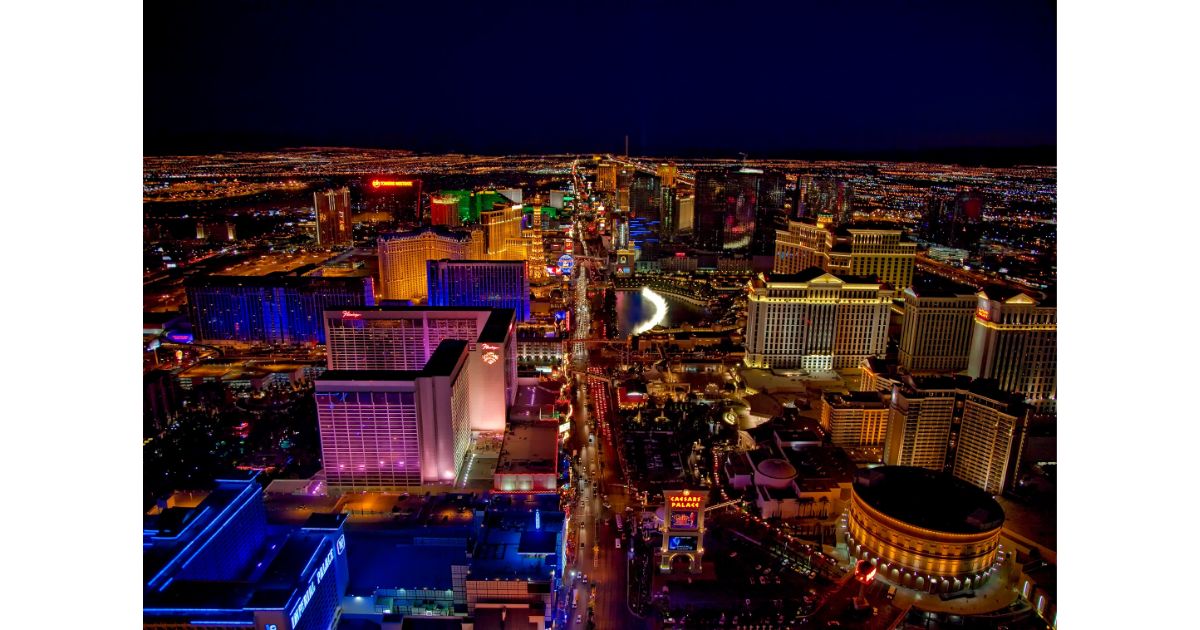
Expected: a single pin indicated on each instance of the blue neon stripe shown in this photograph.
(232, 505)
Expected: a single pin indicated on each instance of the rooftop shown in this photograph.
(529, 447)
(934, 286)
(275, 264)
(855, 400)
(505, 552)
(927, 499)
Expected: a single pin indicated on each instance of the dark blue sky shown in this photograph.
(678, 77)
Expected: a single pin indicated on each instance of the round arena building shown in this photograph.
(923, 530)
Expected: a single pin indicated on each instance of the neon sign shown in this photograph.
(491, 358)
(351, 315)
(491, 347)
(388, 183)
(341, 544)
(312, 589)
(685, 502)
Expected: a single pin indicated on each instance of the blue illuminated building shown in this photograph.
(643, 235)
(488, 283)
(218, 564)
(275, 308)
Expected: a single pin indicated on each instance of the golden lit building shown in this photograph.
(861, 249)
(919, 420)
(606, 177)
(667, 173)
(815, 320)
(923, 530)
(403, 255)
(991, 436)
(936, 330)
(1015, 342)
(856, 419)
(502, 230)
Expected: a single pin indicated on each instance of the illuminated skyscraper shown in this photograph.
(859, 249)
(991, 436)
(919, 423)
(606, 177)
(970, 428)
(686, 214)
(502, 232)
(274, 308)
(1015, 342)
(936, 331)
(490, 283)
(667, 174)
(398, 197)
(857, 419)
(444, 210)
(385, 430)
(402, 257)
(738, 210)
(645, 196)
(816, 321)
(404, 338)
(334, 227)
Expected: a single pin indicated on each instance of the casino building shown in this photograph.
(923, 530)
(404, 338)
(215, 563)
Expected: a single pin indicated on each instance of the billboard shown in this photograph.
(683, 511)
(681, 543)
(566, 263)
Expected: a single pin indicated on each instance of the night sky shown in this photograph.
(680, 78)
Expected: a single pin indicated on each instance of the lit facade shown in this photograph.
(502, 233)
(667, 174)
(402, 258)
(936, 331)
(683, 529)
(856, 419)
(219, 565)
(385, 430)
(988, 427)
(334, 225)
(738, 210)
(991, 436)
(919, 422)
(269, 309)
(444, 210)
(494, 284)
(404, 338)
(1015, 342)
(856, 249)
(923, 530)
(816, 321)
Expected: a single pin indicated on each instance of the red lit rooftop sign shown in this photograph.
(390, 183)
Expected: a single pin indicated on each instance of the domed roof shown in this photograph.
(776, 468)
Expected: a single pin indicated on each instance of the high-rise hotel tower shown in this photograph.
(815, 320)
(1015, 342)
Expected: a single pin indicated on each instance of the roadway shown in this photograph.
(597, 556)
